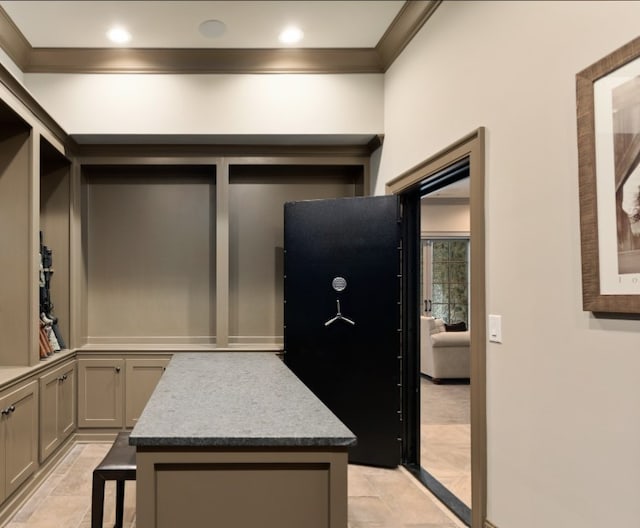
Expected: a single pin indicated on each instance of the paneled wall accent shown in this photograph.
(256, 199)
(150, 254)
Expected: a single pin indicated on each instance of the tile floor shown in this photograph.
(378, 498)
(445, 444)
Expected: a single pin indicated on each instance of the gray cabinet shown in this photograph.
(18, 437)
(57, 407)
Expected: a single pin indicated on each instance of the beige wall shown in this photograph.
(212, 104)
(563, 402)
(563, 398)
(444, 219)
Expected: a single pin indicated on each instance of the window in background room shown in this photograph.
(446, 270)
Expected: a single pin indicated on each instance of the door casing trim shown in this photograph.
(472, 146)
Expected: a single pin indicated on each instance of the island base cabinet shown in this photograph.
(18, 437)
(57, 408)
(241, 488)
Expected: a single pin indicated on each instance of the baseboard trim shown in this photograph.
(24, 493)
(85, 437)
(489, 524)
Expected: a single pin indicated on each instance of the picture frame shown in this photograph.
(608, 122)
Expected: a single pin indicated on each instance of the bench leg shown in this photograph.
(97, 501)
(119, 503)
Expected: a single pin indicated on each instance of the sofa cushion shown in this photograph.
(450, 339)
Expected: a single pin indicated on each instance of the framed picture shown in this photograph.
(608, 108)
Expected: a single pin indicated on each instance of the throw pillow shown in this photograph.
(438, 326)
(456, 327)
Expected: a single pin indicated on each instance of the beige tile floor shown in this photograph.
(445, 444)
(378, 498)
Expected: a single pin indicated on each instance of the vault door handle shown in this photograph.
(339, 317)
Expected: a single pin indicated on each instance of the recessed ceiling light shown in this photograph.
(212, 28)
(119, 35)
(291, 35)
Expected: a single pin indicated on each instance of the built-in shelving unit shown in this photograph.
(185, 252)
(165, 248)
(35, 195)
(149, 254)
(55, 211)
(257, 194)
(15, 224)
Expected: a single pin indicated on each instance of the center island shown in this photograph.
(236, 440)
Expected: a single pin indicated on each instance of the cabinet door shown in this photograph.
(49, 413)
(21, 435)
(141, 380)
(3, 450)
(100, 392)
(57, 407)
(67, 407)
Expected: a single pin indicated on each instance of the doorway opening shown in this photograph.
(445, 368)
(433, 174)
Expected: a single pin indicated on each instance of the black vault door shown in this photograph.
(342, 315)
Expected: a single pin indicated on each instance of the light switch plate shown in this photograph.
(495, 328)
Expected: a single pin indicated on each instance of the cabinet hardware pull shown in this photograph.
(117, 369)
(64, 377)
(12, 408)
(4, 411)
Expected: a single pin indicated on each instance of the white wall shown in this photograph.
(444, 219)
(212, 104)
(563, 396)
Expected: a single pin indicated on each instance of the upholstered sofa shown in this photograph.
(443, 355)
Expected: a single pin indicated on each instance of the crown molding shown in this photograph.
(25, 97)
(13, 42)
(412, 16)
(220, 61)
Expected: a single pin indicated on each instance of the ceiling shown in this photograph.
(339, 36)
(174, 24)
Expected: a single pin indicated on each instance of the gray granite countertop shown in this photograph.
(235, 399)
